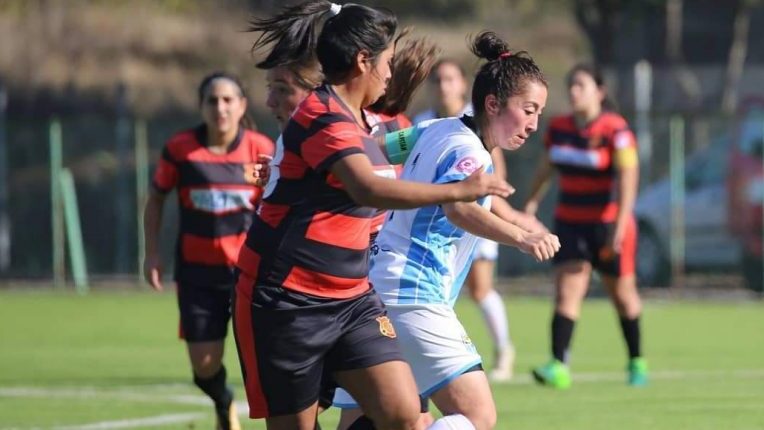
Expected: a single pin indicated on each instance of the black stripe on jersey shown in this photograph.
(204, 224)
(193, 174)
(565, 169)
(295, 135)
(330, 160)
(596, 199)
(323, 258)
(558, 136)
(203, 275)
(167, 156)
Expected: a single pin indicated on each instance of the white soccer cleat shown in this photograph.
(503, 366)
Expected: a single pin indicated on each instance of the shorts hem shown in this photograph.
(428, 392)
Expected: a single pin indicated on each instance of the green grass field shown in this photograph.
(112, 360)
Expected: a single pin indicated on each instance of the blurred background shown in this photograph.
(107, 82)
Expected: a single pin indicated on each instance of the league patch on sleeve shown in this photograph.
(467, 165)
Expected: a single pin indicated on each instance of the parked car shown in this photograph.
(709, 243)
(746, 189)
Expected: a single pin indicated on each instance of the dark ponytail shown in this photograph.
(246, 121)
(505, 73)
(316, 29)
(599, 79)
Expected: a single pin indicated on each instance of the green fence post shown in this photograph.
(676, 163)
(141, 187)
(56, 205)
(74, 232)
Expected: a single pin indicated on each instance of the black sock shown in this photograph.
(216, 388)
(632, 335)
(562, 332)
(362, 423)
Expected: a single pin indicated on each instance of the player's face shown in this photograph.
(584, 93)
(520, 117)
(379, 75)
(450, 82)
(223, 106)
(284, 94)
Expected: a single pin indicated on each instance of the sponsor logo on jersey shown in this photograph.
(217, 201)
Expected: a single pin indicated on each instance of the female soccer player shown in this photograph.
(451, 88)
(424, 254)
(210, 166)
(595, 153)
(303, 305)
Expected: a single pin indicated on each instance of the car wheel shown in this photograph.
(652, 264)
(753, 272)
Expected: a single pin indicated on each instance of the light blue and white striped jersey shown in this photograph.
(420, 257)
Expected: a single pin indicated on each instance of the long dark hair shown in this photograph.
(599, 79)
(504, 75)
(246, 121)
(312, 28)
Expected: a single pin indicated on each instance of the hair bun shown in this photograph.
(489, 45)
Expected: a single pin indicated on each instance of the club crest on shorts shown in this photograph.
(386, 327)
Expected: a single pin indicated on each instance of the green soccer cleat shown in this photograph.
(638, 372)
(554, 374)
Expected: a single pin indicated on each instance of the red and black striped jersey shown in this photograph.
(381, 124)
(585, 160)
(309, 235)
(216, 198)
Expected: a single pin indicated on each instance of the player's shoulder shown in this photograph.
(180, 144)
(562, 122)
(255, 137)
(612, 121)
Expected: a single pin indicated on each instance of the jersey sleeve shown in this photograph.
(337, 139)
(166, 174)
(625, 149)
(460, 162)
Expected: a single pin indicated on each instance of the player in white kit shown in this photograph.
(422, 256)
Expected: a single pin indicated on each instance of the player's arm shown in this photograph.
(626, 162)
(540, 184)
(527, 222)
(477, 220)
(356, 174)
(152, 221)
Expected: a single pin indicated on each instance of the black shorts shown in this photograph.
(589, 242)
(290, 344)
(204, 312)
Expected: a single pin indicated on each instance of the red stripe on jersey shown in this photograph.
(245, 343)
(316, 283)
(339, 230)
(217, 251)
(587, 214)
(333, 138)
(584, 184)
(292, 166)
(272, 214)
(249, 260)
(165, 176)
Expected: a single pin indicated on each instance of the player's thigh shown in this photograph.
(386, 393)
(468, 395)
(480, 279)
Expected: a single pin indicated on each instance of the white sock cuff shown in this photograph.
(452, 422)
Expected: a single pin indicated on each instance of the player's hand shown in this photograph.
(152, 271)
(262, 170)
(542, 246)
(480, 184)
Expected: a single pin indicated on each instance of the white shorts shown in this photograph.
(433, 342)
(486, 250)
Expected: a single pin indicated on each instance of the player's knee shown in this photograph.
(484, 418)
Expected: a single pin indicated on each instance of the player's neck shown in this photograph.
(219, 142)
(583, 118)
(353, 98)
(451, 108)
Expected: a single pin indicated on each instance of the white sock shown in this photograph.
(452, 422)
(496, 317)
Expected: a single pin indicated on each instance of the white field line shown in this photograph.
(132, 394)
